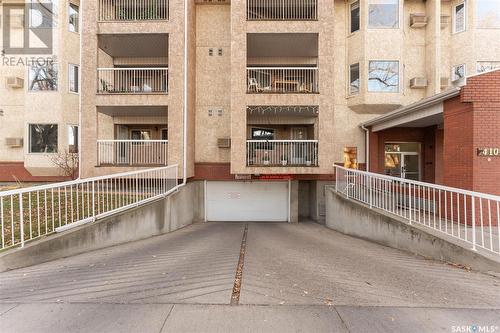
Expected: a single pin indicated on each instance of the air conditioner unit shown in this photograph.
(418, 83)
(445, 82)
(15, 82)
(418, 20)
(445, 19)
(224, 142)
(14, 142)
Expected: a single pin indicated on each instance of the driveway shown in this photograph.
(283, 277)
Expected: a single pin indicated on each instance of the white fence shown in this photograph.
(132, 80)
(470, 216)
(282, 152)
(133, 10)
(282, 80)
(132, 152)
(29, 213)
(282, 10)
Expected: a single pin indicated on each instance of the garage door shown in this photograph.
(247, 201)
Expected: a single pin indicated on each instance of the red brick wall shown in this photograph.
(15, 171)
(457, 144)
(483, 91)
(472, 121)
(425, 136)
(438, 159)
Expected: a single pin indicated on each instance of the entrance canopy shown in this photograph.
(424, 113)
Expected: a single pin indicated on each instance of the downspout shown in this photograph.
(185, 108)
(80, 93)
(367, 147)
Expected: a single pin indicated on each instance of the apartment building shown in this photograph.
(276, 90)
(39, 89)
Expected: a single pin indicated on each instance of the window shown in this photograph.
(383, 76)
(262, 134)
(73, 78)
(354, 17)
(354, 79)
(73, 139)
(485, 66)
(219, 52)
(73, 16)
(383, 14)
(458, 72)
(140, 135)
(459, 18)
(43, 138)
(488, 14)
(43, 77)
(210, 52)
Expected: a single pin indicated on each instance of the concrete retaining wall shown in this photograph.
(158, 217)
(356, 219)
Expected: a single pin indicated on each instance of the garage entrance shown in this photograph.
(247, 201)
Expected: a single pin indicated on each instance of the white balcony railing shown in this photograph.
(472, 217)
(282, 152)
(133, 10)
(282, 10)
(132, 80)
(132, 152)
(282, 80)
(29, 213)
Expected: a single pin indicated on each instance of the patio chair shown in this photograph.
(254, 85)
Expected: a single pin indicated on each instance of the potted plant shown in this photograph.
(266, 159)
(284, 160)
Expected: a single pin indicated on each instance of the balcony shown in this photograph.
(291, 153)
(282, 10)
(276, 65)
(282, 80)
(133, 10)
(283, 136)
(132, 152)
(132, 64)
(132, 80)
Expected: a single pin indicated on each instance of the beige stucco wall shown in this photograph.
(96, 125)
(219, 82)
(22, 107)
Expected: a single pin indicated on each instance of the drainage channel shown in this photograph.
(235, 296)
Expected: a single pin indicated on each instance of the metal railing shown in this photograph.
(469, 216)
(132, 152)
(133, 10)
(282, 153)
(282, 80)
(29, 213)
(132, 80)
(282, 10)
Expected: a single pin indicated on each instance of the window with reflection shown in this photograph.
(383, 14)
(383, 76)
(488, 14)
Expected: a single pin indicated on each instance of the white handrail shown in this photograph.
(279, 79)
(132, 152)
(29, 213)
(282, 153)
(133, 10)
(280, 10)
(136, 80)
(470, 216)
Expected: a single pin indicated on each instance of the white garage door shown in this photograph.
(247, 201)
